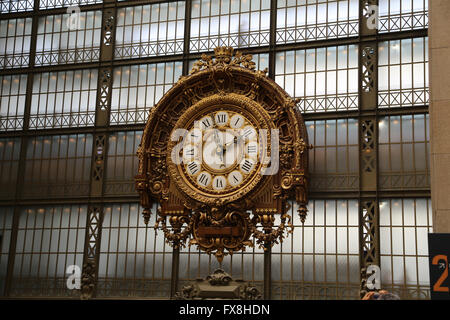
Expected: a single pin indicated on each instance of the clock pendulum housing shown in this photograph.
(222, 153)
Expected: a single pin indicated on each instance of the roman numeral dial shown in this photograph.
(251, 149)
(204, 178)
(235, 178)
(220, 151)
(206, 122)
(193, 167)
(221, 118)
(247, 165)
(219, 183)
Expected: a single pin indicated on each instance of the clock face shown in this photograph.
(220, 151)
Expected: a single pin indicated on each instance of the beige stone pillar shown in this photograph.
(439, 44)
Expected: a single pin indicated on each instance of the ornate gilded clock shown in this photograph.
(222, 153)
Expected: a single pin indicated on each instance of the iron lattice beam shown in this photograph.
(369, 241)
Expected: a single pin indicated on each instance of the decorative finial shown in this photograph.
(222, 53)
(146, 214)
(225, 57)
(302, 212)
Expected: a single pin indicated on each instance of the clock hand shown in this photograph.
(236, 140)
(218, 152)
(226, 145)
(220, 148)
(216, 139)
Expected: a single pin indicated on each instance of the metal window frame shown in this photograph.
(367, 115)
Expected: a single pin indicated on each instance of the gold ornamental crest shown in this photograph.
(222, 153)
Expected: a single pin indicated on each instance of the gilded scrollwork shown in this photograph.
(270, 236)
(219, 278)
(224, 59)
(217, 222)
(211, 288)
(220, 231)
(180, 231)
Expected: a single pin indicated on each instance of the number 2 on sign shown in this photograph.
(437, 286)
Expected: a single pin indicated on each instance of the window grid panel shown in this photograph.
(15, 40)
(320, 259)
(402, 15)
(229, 23)
(9, 166)
(150, 30)
(326, 79)
(404, 152)
(49, 4)
(49, 240)
(7, 6)
(6, 218)
(57, 44)
(137, 88)
(13, 89)
(64, 99)
(299, 21)
(122, 163)
(333, 162)
(134, 259)
(58, 166)
(403, 79)
(404, 228)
